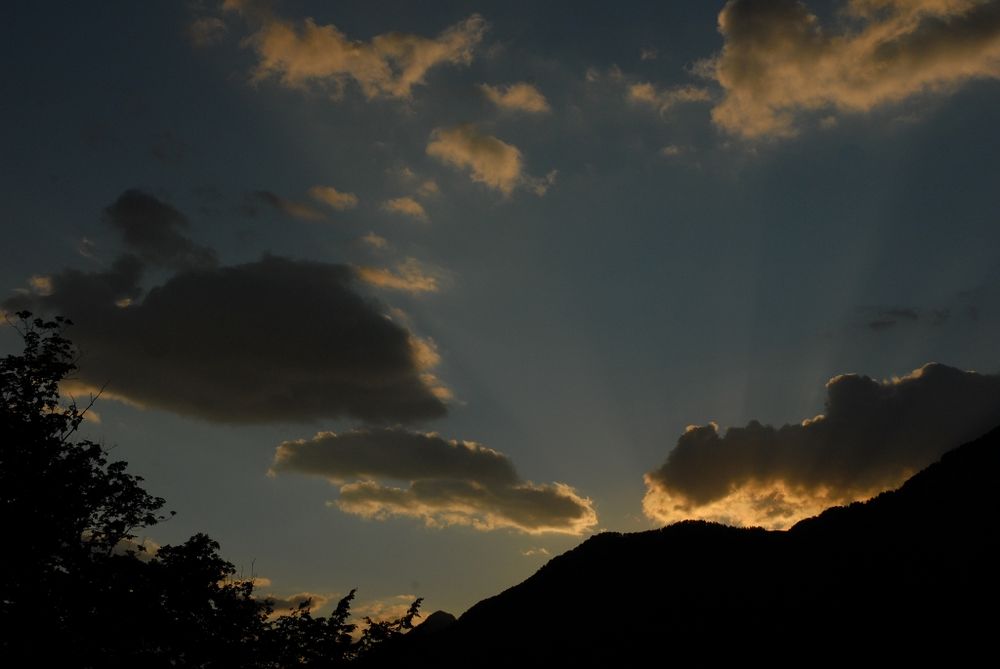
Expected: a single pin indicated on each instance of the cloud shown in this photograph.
(873, 435)
(536, 551)
(648, 53)
(663, 100)
(276, 340)
(529, 508)
(541, 185)
(490, 161)
(450, 482)
(406, 206)
(880, 319)
(903, 313)
(206, 31)
(410, 276)
(393, 454)
(646, 94)
(289, 207)
(517, 97)
(779, 62)
(304, 54)
(154, 231)
(144, 550)
(268, 341)
(671, 150)
(377, 242)
(428, 188)
(41, 284)
(331, 197)
(288, 604)
(390, 608)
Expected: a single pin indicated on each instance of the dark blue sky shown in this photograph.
(699, 225)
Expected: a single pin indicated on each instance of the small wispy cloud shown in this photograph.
(522, 97)
(331, 197)
(406, 206)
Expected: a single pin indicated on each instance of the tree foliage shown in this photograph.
(75, 589)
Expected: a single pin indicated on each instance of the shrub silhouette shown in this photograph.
(73, 589)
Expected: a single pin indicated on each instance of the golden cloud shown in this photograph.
(663, 100)
(330, 196)
(517, 97)
(451, 482)
(872, 436)
(306, 54)
(410, 276)
(406, 206)
(490, 161)
(779, 62)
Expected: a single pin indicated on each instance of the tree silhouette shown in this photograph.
(300, 640)
(379, 631)
(73, 591)
(62, 503)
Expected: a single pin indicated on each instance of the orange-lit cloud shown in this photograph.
(872, 436)
(449, 482)
(521, 97)
(426, 357)
(529, 508)
(645, 94)
(406, 206)
(332, 197)
(389, 608)
(773, 505)
(428, 188)
(301, 54)
(410, 276)
(491, 161)
(530, 552)
(663, 100)
(780, 63)
(41, 284)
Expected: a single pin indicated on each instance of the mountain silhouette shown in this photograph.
(910, 571)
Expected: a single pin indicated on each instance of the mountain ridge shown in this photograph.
(908, 567)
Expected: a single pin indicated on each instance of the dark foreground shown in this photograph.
(910, 572)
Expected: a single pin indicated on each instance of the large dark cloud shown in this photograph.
(154, 231)
(450, 482)
(266, 341)
(871, 437)
(395, 454)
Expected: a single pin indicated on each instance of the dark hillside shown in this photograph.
(910, 570)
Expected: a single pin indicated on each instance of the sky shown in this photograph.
(410, 297)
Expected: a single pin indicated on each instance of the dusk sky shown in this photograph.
(410, 297)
